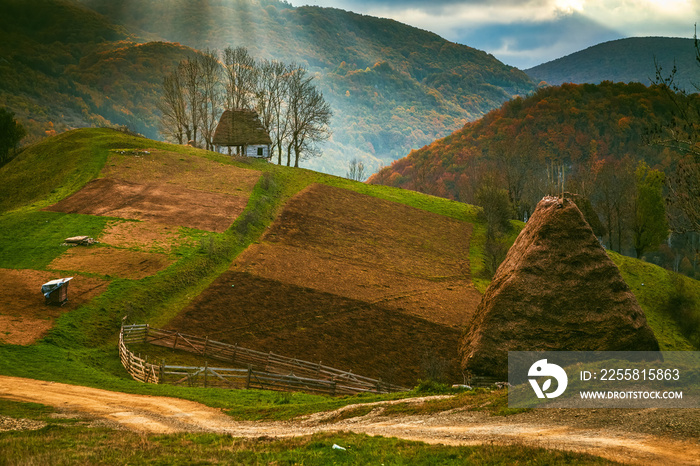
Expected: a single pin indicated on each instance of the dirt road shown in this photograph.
(635, 440)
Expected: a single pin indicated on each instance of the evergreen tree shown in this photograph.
(11, 133)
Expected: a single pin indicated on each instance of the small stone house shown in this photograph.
(242, 130)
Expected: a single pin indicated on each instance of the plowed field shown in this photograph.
(161, 203)
(144, 236)
(347, 334)
(166, 188)
(121, 263)
(360, 247)
(356, 282)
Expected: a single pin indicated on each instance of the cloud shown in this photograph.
(525, 33)
(529, 44)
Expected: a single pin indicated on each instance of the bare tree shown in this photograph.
(681, 134)
(356, 170)
(240, 71)
(309, 116)
(270, 92)
(191, 72)
(210, 96)
(173, 107)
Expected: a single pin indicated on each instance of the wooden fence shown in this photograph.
(264, 370)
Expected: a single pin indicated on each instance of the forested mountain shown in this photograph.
(624, 60)
(595, 132)
(62, 65)
(392, 87)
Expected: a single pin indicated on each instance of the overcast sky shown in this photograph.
(525, 33)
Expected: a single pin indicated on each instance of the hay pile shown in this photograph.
(556, 290)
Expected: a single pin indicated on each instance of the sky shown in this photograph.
(526, 33)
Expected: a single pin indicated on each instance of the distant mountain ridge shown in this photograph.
(624, 60)
(392, 87)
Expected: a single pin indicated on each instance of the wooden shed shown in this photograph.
(56, 291)
(243, 130)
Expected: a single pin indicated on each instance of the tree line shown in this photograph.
(641, 190)
(290, 107)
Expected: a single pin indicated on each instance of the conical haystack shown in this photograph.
(556, 290)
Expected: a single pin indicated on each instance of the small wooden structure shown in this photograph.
(80, 241)
(56, 291)
(243, 130)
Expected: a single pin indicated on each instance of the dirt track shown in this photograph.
(635, 444)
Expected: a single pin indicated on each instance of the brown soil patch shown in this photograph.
(360, 247)
(144, 235)
(364, 230)
(24, 318)
(348, 334)
(161, 203)
(113, 262)
(188, 171)
(447, 302)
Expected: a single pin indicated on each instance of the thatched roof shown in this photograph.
(556, 290)
(240, 128)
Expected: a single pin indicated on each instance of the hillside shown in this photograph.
(288, 270)
(392, 87)
(624, 60)
(577, 125)
(158, 255)
(64, 66)
(370, 278)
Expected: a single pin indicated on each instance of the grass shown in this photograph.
(53, 169)
(31, 240)
(81, 445)
(70, 441)
(655, 288)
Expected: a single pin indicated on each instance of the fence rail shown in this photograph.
(264, 370)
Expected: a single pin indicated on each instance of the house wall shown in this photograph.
(252, 151)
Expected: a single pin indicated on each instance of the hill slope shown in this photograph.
(578, 125)
(623, 60)
(152, 261)
(181, 269)
(392, 87)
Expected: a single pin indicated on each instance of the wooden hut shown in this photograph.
(242, 130)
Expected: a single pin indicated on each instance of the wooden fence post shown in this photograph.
(247, 380)
(161, 373)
